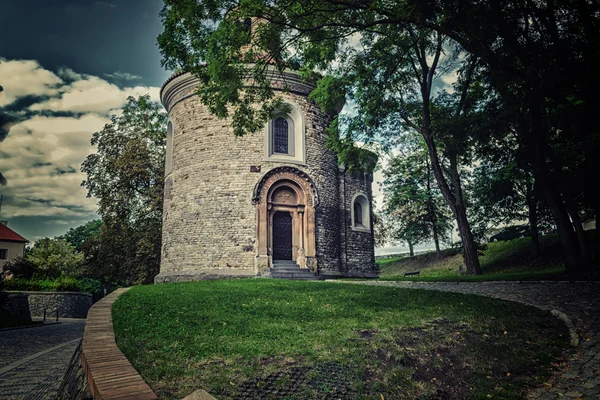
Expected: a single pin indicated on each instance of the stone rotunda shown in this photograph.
(241, 206)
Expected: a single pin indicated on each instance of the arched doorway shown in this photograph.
(285, 199)
(282, 235)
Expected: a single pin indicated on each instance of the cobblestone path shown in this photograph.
(34, 360)
(580, 379)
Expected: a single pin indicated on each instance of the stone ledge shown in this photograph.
(109, 373)
(209, 274)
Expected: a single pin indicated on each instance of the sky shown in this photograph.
(65, 67)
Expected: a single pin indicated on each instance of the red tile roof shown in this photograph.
(8, 234)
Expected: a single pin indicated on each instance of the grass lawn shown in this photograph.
(275, 339)
(504, 260)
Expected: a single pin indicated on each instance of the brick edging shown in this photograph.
(109, 373)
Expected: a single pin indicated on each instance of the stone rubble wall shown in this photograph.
(209, 221)
(359, 246)
(74, 385)
(70, 304)
(16, 304)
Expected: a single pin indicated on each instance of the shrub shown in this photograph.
(60, 284)
(54, 257)
(92, 286)
(20, 268)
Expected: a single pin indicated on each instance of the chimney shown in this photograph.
(5, 223)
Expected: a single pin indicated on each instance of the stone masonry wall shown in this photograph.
(359, 246)
(209, 221)
(16, 304)
(70, 304)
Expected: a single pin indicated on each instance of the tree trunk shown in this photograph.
(456, 205)
(436, 240)
(432, 211)
(532, 215)
(572, 208)
(566, 233)
(411, 250)
(464, 228)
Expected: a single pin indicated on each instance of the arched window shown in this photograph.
(285, 136)
(358, 213)
(361, 213)
(280, 136)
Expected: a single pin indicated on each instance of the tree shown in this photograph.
(541, 57)
(126, 176)
(54, 257)
(413, 202)
(380, 230)
(82, 234)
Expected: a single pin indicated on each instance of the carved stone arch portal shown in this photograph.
(282, 195)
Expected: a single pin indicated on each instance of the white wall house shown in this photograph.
(12, 244)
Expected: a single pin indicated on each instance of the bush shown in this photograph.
(20, 268)
(55, 257)
(60, 284)
(93, 287)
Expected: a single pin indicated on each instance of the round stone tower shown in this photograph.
(235, 205)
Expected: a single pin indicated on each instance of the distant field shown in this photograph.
(505, 260)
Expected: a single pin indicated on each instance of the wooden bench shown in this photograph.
(416, 273)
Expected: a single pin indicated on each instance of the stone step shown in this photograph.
(288, 268)
(284, 262)
(296, 277)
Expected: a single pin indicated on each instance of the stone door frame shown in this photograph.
(302, 209)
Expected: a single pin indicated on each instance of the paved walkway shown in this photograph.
(34, 360)
(580, 379)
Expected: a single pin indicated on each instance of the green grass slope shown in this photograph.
(274, 339)
(504, 260)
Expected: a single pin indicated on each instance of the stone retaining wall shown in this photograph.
(16, 304)
(70, 304)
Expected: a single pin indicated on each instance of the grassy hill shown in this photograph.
(504, 260)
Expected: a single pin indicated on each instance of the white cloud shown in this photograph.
(123, 76)
(93, 94)
(26, 77)
(42, 155)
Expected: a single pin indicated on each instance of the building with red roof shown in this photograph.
(12, 244)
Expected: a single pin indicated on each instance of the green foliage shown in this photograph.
(20, 267)
(238, 331)
(54, 257)
(126, 176)
(414, 208)
(78, 236)
(59, 284)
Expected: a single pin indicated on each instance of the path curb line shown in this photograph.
(32, 357)
(103, 362)
(572, 332)
(30, 326)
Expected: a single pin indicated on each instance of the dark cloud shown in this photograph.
(7, 121)
(60, 171)
(22, 103)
